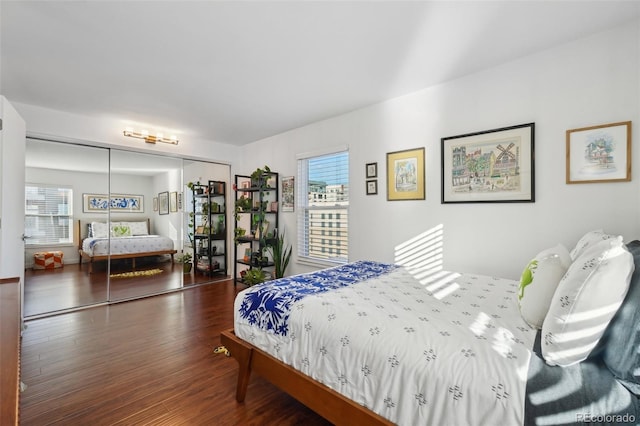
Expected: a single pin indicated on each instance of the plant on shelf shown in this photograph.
(239, 232)
(280, 253)
(191, 227)
(254, 276)
(243, 204)
(185, 259)
(259, 177)
(195, 187)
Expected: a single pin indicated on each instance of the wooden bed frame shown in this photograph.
(334, 407)
(132, 256)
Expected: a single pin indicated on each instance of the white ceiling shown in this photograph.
(239, 71)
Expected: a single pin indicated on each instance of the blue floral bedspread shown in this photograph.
(268, 306)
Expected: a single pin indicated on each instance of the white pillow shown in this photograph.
(586, 299)
(587, 240)
(137, 228)
(539, 281)
(99, 230)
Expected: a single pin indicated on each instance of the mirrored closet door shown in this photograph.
(105, 224)
(57, 175)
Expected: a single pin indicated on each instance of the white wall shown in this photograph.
(587, 82)
(90, 183)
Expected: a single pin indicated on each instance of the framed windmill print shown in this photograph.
(492, 166)
(599, 153)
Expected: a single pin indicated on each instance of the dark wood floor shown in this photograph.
(69, 287)
(145, 362)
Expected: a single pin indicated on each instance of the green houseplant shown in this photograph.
(254, 276)
(259, 177)
(280, 253)
(195, 186)
(185, 259)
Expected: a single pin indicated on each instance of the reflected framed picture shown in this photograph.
(599, 154)
(173, 202)
(99, 203)
(155, 204)
(405, 175)
(492, 166)
(163, 202)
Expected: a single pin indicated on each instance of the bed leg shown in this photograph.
(242, 354)
(244, 374)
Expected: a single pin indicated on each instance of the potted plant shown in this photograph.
(280, 253)
(259, 177)
(185, 259)
(243, 204)
(195, 187)
(239, 232)
(254, 276)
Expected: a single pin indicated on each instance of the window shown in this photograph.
(323, 192)
(48, 214)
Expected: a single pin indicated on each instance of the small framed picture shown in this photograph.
(405, 175)
(163, 202)
(599, 153)
(372, 170)
(155, 204)
(372, 187)
(173, 202)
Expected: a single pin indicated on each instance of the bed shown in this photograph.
(125, 239)
(373, 343)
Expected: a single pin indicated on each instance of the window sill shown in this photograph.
(318, 263)
(43, 246)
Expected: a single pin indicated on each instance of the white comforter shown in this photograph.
(447, 349)
(126, 245)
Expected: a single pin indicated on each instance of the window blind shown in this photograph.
(323, 207)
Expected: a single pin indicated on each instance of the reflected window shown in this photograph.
(48, 214)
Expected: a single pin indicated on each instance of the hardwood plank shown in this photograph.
(148, 361)
(9, 349)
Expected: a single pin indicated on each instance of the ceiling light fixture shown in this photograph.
(144, 134)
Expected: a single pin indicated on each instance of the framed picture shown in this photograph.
(173, 202)
(599, 153)
(405, 175)
(99, 203)
(372, 187)
(163, 202)
(372, 170)
(155, 204)
(288, 191)
(180, 201)
(493, 166)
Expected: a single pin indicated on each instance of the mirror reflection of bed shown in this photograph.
(96, 170)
